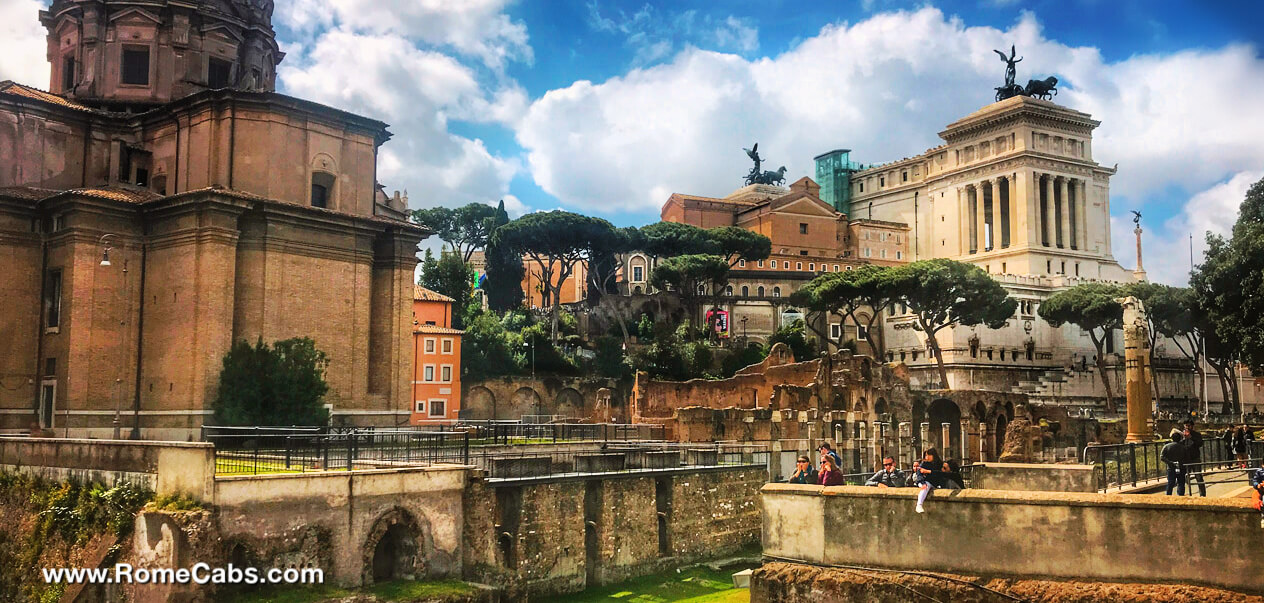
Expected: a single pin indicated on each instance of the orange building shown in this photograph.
(436, 359)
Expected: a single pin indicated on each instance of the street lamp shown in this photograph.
(531, 343)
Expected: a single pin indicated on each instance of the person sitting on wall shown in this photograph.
(889, 476)
(953, 479)
(928, 475)
(1173, 455)
(830, 475)
(804, 473)
(826, 450)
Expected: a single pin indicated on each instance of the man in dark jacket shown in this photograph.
(1173, 455)
(1193, 442)
(889, 477)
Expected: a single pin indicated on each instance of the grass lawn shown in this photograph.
(693, 585)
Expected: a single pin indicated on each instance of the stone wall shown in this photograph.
(509, 398)
(562, 535)
(1020, 534)
(1033, 477)
(336, 520)
(167, 468)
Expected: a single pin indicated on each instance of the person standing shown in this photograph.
(1241, 449)
(804, 473)
(826, 450)
(1193, 442)
(1173, 455)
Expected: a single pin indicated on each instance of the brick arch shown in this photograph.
(479, 403)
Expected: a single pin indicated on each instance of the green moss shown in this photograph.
(68, 515)
(169, 502)
(287, 594)
(696, 584)
(402, 591)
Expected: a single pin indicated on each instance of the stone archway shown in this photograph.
(943, 411)
(479, 404)
(569, 402)
(393, 549)
(525, 401)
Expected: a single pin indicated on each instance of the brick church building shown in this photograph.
(160, 201)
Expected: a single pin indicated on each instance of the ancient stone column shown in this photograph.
(1081, 197)
(1064, 213)
(1046, 213)
(993, 240)
(1137, 370)
(980, 230)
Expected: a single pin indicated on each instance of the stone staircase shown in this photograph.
(1058, 382)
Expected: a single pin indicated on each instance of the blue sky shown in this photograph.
(606, 107)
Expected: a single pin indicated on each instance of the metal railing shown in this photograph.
(279, 451)
(1119, 465)
(508, 433)
(616, 457)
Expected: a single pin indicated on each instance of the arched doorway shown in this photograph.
(1001, 424)
(392, 549)
(943, 411)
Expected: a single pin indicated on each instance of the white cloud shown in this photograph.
(654, 35)
(477, 28)
(22, 43)
(1166, 249)
(513, 206)
(884, 87)
(417, 91)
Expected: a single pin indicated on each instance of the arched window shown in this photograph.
(729, 290)
(322, 188)
(760, 291)
(776, 291)
(702, 289)
(745, 291)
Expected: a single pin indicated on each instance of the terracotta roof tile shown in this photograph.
(29, 193)
(112, 193)
(433, 330)
(423, 294)
(16, 89)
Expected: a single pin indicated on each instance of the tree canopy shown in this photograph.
(555, 241)
(736, 243)
(942, 293)
(278, 384)
(465, 228)
(451, 277)
(686, 274)
(1093, 308)
(847, 294)
(667, 239)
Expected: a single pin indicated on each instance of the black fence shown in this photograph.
(631, 457)
(516, 432)
(1119, 465)
(280, 451)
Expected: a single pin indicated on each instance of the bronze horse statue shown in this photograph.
(1044, 89)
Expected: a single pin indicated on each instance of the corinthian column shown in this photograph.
(1081, 198)
(980, 236)
(1046, 211)
(994, 241)
(1064, 214)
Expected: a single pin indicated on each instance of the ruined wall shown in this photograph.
(562, 535)
(336, 520)
(508, 398)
